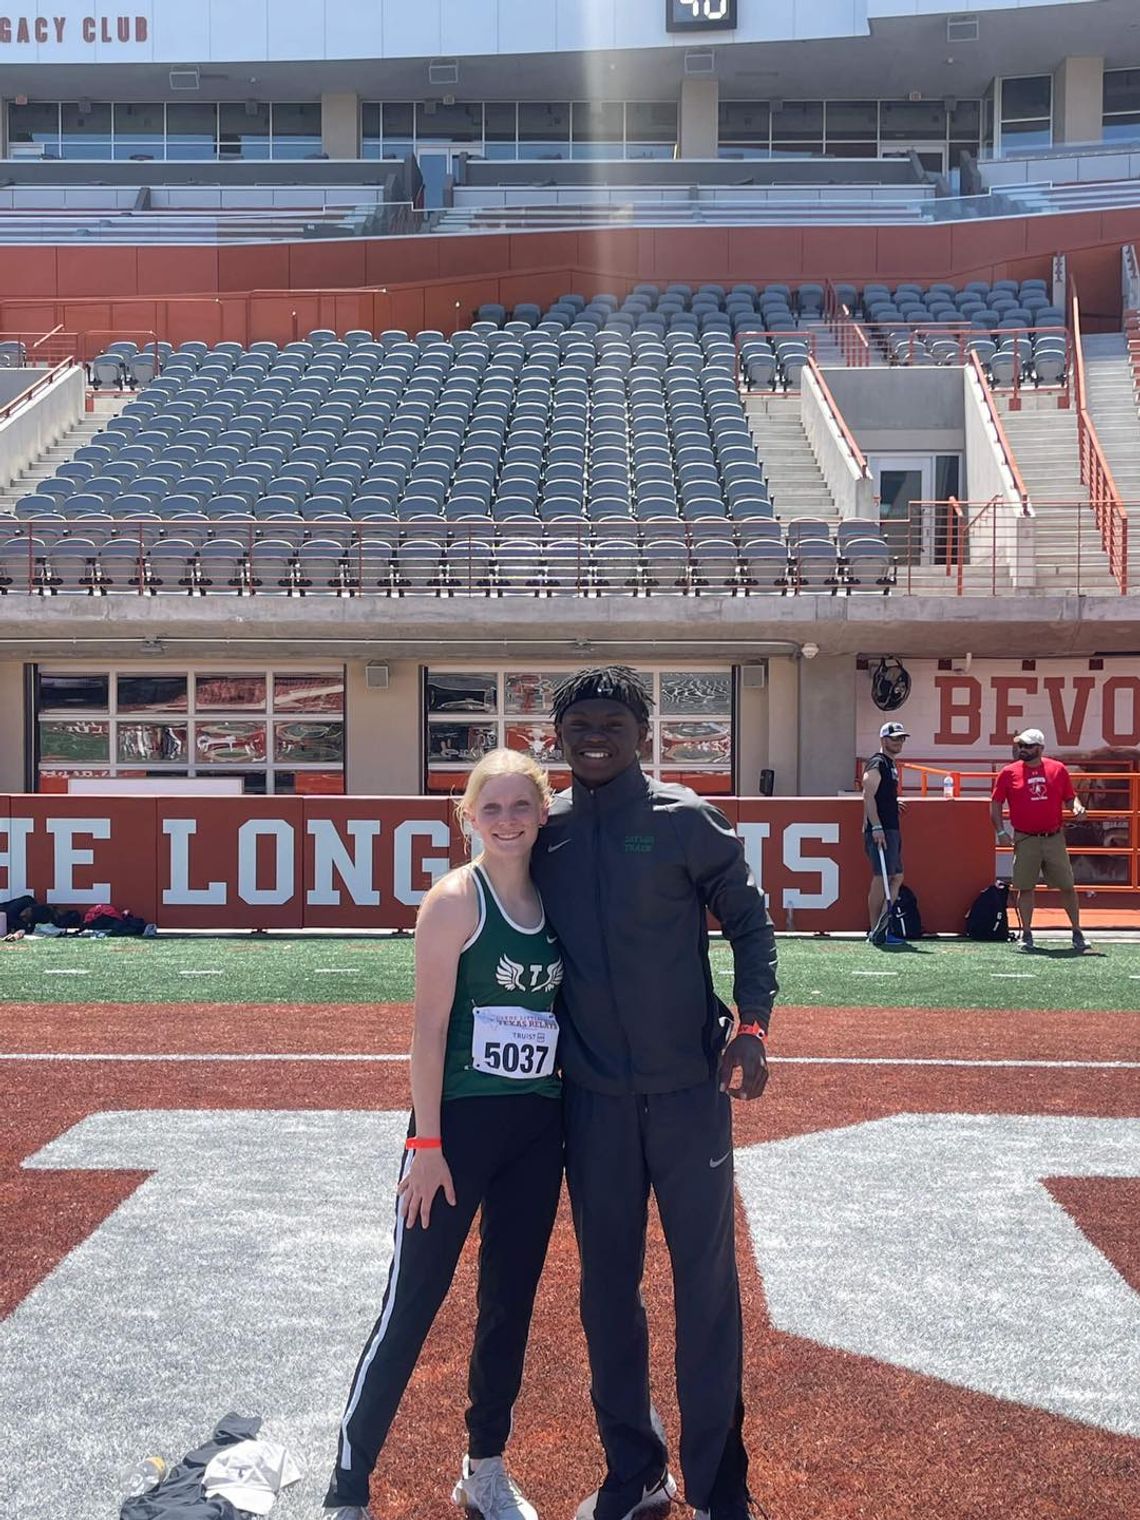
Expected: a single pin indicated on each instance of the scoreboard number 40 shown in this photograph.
(700, 15)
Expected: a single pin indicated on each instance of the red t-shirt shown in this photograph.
(1035, 794)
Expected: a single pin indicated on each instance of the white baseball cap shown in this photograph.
(250, 1474)
(893, 731)
(1031, 736)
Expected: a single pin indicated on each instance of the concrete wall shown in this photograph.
(827, 725)
(340, 124)
(382, 731)
(699, 124)
(35, 427)
(851, 490)
(12, 729)
(987, 476)
(914, 410)
(1078, 100)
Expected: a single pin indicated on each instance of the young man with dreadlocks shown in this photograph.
(627, 868)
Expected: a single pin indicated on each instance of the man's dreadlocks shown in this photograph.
(615, 683)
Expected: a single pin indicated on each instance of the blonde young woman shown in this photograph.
(485, 1134)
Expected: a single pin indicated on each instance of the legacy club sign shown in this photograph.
(26, 30)
(366, 862)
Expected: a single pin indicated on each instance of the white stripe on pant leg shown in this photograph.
(381, 1329)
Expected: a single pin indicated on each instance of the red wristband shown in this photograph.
(756, 1029)
(423, 1143)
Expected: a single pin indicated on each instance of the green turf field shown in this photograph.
(828, 973)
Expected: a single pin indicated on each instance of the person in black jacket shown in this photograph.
(628, 869)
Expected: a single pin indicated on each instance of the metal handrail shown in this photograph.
(49, 377)
(1104, 497)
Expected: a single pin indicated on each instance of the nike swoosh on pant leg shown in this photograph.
(722, 1160)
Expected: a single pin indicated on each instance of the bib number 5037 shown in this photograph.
(526, 1060)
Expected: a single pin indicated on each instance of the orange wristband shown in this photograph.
(756, 1029)
(423, 1143)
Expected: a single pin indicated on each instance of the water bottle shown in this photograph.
(142, 1476)
(948, 788)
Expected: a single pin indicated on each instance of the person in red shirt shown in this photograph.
(1035, 790)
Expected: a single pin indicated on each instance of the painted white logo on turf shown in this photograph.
(260, 1238)
(929, 1241)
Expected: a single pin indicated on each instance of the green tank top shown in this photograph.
(501, 1035)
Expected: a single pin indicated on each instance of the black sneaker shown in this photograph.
(613, 1502)
(1080, 943)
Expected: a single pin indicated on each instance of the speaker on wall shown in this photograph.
(376, 676)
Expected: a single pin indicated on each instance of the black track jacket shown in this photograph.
(626, 873)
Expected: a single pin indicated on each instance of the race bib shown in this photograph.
(513, 1042)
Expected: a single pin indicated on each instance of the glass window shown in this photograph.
(1122, 128)
(1121, 90)
(544, 129)
(529, 692)
(534, 739)
(906, 120)
(149, 694)
(598, 128)
(243, 130)
(230, 743)
(35, 123)
(397, 121)
(191, 130)
(695, 692)
(75, 740)
(798, 121)
(461, 742)
(500, 129)
(744, 121)
(852, 121)
(309, 693)
(462, 693)
(148, 742)
(462, 122)
(85, 129)
(1027, 97)
(78, 693)
(232, 693)
(296, 130)
(140, 130)
(966, 118)
(1026, 134)
(650, 128)
(708, 743)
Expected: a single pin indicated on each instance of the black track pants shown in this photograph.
(680, 1144)
(505, 1155)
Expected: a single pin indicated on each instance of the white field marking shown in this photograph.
(874, 973)
(1014, 976)
(334, 970)
(340, 1057)
(212, 972)
(933, 1244)
(64, 971)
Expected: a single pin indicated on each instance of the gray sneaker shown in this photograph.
(1080, 943)
(348, 1512)
(490, 1491)
(1026, 945)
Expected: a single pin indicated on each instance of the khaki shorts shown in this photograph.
(1036, 855)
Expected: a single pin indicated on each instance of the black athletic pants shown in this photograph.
(680, 1144)
(505, 1155)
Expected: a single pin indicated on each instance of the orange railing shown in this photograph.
(48, 377)
(1111, 517)
(849, 333)
(857, 456)
(1104, 845)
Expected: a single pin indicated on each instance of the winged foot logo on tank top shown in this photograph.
(513, 976)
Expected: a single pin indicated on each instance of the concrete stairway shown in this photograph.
(1112, 404)
(60, 451)
(1043, 438)
(795, 482)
